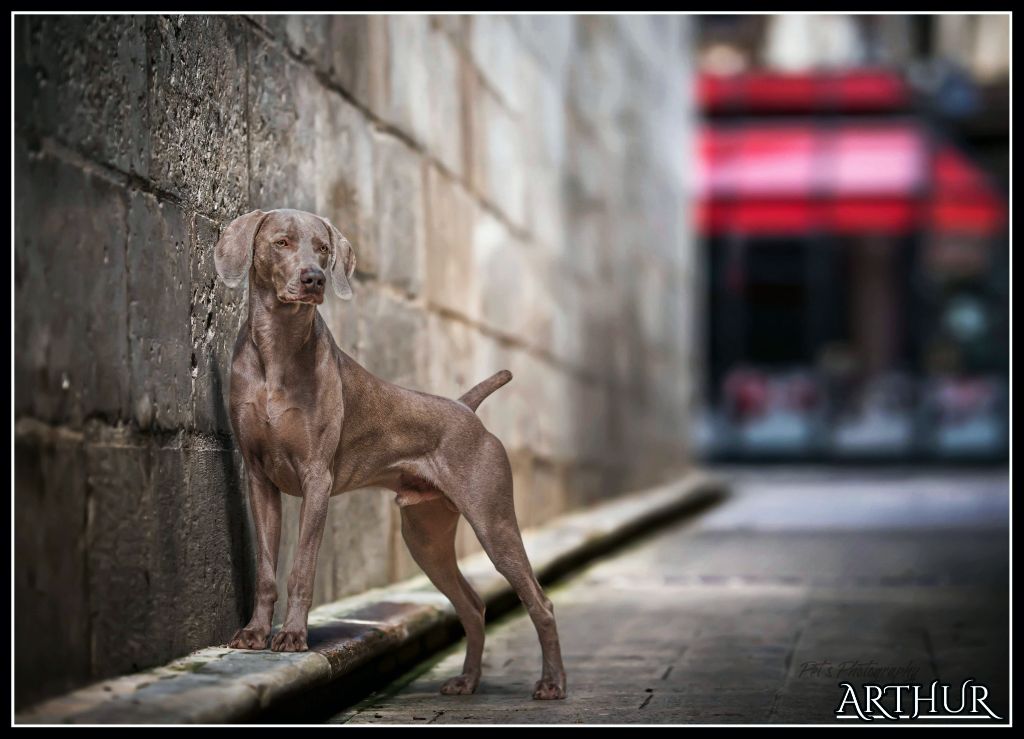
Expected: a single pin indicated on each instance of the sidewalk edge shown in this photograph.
(221, 685)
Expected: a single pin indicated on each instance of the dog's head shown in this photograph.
(290, 250)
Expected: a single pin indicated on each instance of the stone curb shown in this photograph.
(220, 685)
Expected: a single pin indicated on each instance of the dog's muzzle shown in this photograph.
(311, 286)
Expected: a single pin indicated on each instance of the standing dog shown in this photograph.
(311, 422)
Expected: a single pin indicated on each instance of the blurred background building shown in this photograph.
(853, 224)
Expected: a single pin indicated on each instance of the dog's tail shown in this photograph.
(475, 395)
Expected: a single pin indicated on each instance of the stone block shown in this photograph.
(169, 547)
(568, 336)
(351, 49)
(159, 344)
(452, 222)
(399, 213)
(499, 151)
(446, 127)
(551, 39)
(516, 284)
(450, 361)
(50, 512)
(359, 47)
(392, 334)
(197, 75)
(408, 75)
(599, 64)
(217, 556)
(498, 53)
(424, 87)
(359, 528)
(70, 292)
(285, 100)
(512, 414)
(83, 81)
(136, 537)
(345, 177)
(216, 315)
(455, 26)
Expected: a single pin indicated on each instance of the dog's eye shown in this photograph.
(280, 242)
(324, 248)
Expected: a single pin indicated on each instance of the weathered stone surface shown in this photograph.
(70, 292)
(351, 49)
(452, 220)
(197, 73)
(216, 551)
(392, 338)
(499, 151)
(52, 616)
(551, 39)
(546, 219)
(500, 56)
(167, 546)
(453, 345)
(408, 79)
(342, 318)
(136, 518)
(359, 47)
(398, 200)
(346, 178)
(518, 301)
(216, 315)
(358, 530)
(453, 25)
(446, 131)
(82, 80)
(422, 91)
(600, 63)
(284, 102)
(158, 309)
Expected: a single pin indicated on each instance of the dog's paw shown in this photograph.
(548, 690)
(250, 638)
(460, 685)
(289, 641)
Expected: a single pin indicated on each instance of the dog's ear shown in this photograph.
(343, 262)
(233, 254)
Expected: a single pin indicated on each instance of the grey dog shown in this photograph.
(311, 422)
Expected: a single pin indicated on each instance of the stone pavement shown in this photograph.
(741, 615)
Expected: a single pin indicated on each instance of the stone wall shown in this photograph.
(514, 189)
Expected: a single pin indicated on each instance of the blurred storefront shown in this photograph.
(855, 242)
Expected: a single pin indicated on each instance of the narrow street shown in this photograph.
(757, 610)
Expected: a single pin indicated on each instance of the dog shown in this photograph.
(312, 422)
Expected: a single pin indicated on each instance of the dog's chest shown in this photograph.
(283, 434)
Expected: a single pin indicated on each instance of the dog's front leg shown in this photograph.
(316, 494)
(265, 505)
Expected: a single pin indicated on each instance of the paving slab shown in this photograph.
(756, 611)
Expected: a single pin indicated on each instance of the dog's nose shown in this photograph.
(312, 278)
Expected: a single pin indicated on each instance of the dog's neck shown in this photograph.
(279, 330)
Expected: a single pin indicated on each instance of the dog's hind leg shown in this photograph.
(488, 506)
(429, 531)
